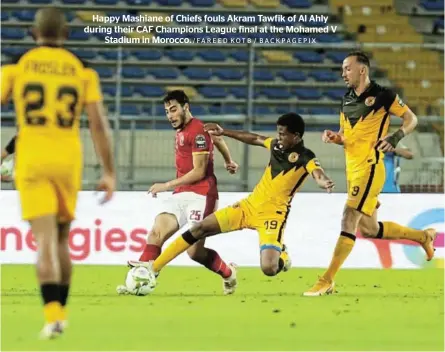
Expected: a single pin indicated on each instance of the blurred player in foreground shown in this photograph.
(8, 151)
(392, 167)
(267, 207)
(51, 86)
(195, 193)
(364, 123)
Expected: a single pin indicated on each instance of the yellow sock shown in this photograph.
(52, 312)
(343, 247)
(64, 315)
(284, 256)
(172, 251)
(393, 231)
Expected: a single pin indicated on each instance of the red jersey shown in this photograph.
(192, 139)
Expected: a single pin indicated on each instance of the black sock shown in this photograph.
(188, 237)
(50, 293)
(280, 264)
(64, 290)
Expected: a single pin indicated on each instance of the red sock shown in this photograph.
(151, 252)
(214, 263)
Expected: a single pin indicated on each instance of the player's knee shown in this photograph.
(369, 231)
(269, 265)
(156, 237)
(350, 219)
(270, 269)
(198, 230)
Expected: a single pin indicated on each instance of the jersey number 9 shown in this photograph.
(67, 99)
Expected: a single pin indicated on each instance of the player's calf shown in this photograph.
(210, 259)
(48, 268)
(165, 226)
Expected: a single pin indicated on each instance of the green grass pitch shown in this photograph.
(373, 310)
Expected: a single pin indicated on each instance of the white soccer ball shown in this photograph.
(7, 168)
(140, 281)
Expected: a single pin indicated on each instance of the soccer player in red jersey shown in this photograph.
(195, 192)
(9, 150)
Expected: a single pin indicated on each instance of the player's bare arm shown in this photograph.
(323, 180)
(99, 127)
(245, 137)
(220, 144)
(405, 153)
(333, 137)
(389, 143)
(7, 78)
(198, 172)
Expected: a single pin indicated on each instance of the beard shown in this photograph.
(181, 122)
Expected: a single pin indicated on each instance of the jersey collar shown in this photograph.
(355, 96)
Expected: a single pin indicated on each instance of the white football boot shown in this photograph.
(51, 331)
(230, 283)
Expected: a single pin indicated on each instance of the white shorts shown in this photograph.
(189, 207)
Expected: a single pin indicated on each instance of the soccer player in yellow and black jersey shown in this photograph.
(51, 87)
(364, 122)
(267, 207)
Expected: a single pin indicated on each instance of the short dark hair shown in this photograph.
(293, 122)
(361, 57)
(178, 95)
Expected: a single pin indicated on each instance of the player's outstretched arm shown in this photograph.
(323, 180)
(404, 153)
(198, 172)
(245, 137)
(230, 165)
(7, 79)
(333, 137)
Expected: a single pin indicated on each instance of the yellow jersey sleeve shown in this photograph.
(8, 75)
(312, 165)
(398, 107)
(268, 143)
(93, 92)
(342, 117)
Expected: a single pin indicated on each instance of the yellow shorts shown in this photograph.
(48, 193)
(269, 223)
(364, 187)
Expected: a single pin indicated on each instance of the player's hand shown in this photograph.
(326, 184)
(329, 136)
(384, 146)
(231, 167)
(213, 129)
(107, 184)
(157, 188)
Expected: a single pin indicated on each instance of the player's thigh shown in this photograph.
(197, 207)
(38, 197)
(230, 218)
(67, 188)
(172, 208)
(364, 188)
(270, 229)
(164, 227)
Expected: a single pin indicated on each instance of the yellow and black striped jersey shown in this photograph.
(365, 119)
(283, 177)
